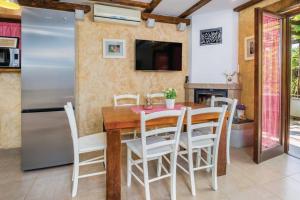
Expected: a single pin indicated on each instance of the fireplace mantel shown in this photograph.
(234, 89)
(232, 86)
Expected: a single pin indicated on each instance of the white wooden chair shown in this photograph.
(152, 147)
(156, 96)
(118, 100)
(231, 106)
(134, 100)
(85, 144)
(192, 142)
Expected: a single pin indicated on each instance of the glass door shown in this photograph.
(269, 137)
(294, 125)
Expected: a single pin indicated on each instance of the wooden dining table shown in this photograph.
(117, 119)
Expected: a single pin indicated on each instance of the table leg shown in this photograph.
(113, 170)
(222, 163)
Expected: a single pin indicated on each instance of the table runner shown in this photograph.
(155, 108)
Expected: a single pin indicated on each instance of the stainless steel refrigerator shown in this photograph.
(48, 76)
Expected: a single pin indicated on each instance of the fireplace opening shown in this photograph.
(203, 96)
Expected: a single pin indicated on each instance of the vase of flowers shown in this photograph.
(170, 95)
(240, 109)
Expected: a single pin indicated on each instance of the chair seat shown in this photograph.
(92, 142)
(196, 144)
(136, 147)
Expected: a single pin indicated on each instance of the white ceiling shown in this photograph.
(176, 7)
(173, 7)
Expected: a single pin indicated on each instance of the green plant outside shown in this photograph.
(295, 58)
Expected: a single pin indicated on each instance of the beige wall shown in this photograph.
(10, 110)
(246, 29)
(4, 11)
(10, 104)
(97, 78)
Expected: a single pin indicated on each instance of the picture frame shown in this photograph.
(249, 48)
(211, 36)
(9, 42)
(114, 48)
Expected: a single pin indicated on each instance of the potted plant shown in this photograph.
(170, 95)
(240, 109)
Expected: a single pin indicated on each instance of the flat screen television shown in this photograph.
(158, 56)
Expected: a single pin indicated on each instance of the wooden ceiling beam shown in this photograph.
(165, 19)
(194, 8)
(246, 5)
(153, 5)
(130, 3)
(52, 4)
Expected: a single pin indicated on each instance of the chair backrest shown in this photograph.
(135, 99)
(231, 106)
(146, 135)
(74, 131)
(156, 96)
(213, 125)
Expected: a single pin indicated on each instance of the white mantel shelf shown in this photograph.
(231, 86)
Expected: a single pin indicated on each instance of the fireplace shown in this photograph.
(203, 96)
(202, 92)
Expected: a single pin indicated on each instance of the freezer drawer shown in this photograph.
(46, 140)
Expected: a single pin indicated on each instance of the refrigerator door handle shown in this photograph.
(39, 110)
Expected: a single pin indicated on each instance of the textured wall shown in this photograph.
(10, 110)
(99, 79)
(10, 104)
(4, 11)
(246, 29)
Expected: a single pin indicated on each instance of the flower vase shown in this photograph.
(170, 103)
(241, 114)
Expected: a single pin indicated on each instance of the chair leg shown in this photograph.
(214, 170)
(208, 158)
(104, 154)
(128, 167)
(146, 179)
(214, 178)
(228, 150)
(73, 172)
(198, 159)
(191, 171)
(134, 134)
(159, 165)
(75, 181)
(173, 165)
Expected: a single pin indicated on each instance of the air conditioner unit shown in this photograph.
(105, 13)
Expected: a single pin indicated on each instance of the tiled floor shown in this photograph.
(294, 148)
(275, 179)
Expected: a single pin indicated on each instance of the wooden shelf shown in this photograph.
(10, 70)
(10, 17)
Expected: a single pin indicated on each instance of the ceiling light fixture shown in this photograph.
(9, 5)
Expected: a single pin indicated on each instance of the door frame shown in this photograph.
(258, 155)
(288, 15)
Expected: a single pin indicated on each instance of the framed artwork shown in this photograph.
(211, 36)
(114, 48)
(249, 48)
(9, 42)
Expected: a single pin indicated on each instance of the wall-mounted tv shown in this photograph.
(158, 56)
